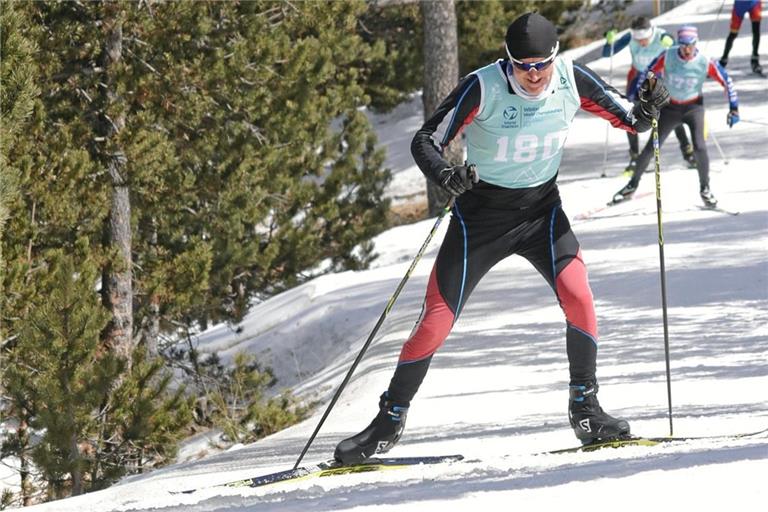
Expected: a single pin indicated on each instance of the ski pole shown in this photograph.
(754, 122)
(608, 126)
(719, 149)
(712, 29)
(384, 314)
(656, 156)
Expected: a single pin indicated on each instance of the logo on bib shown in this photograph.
(511, 117)
(510, 113)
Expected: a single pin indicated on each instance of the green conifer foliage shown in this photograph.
(239, 135)
(398, 71)
(248, 164)
(95, 424)
(143, 426)
(269, 137)
(18, 90)
(58, 370)
(228, 137)
(239, 405)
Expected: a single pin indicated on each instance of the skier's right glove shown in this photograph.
(653, 95)
(458, 179)
(733, 117)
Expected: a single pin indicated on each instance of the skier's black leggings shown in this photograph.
(478, 237)
(735, 26)
(672, 116)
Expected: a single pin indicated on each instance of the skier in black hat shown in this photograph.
(516, 113)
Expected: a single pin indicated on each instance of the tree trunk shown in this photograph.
(118, 287)
(119, 280)
(150, 329)
(441, 73)
(75, 472)
(24, 469)
(153, 327)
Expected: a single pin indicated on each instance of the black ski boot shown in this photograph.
(588, 420)
(710, 201)
(688, 156)
(756, 67)
(625, 194)
(380, 436)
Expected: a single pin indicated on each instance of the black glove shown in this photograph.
(458, 179)
(653, 95)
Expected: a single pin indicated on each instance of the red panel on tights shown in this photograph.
(575, 296)
(433, 327)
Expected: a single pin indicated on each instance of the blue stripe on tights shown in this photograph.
(464, 271)
(552, 246)
(585, 333)
(401, 363)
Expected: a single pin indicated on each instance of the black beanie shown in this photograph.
(531, 36)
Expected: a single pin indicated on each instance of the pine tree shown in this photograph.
(57, 368)
(142, 430)
(60, 374)
(240, 407)
(229, 200)
(234, 131)
(18, 90)
(219, 181)
(259, 87)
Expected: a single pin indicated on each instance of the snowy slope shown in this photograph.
(497, 391)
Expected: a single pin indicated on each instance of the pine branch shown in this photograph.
(145, 63)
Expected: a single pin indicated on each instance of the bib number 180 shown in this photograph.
(526, 147)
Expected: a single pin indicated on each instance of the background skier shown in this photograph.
(645, 43)
(684, 70)
(740, 9)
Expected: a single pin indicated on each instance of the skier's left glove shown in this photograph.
(733, 117)
(458, 179)
(653, 95)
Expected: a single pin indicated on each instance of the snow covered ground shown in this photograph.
(497, 390)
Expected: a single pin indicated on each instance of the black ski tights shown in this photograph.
(755, 37)
(732, 37)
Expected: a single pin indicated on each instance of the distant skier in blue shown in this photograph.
(645, 43)
(684, 69)
(739, 11)
(516, 114)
